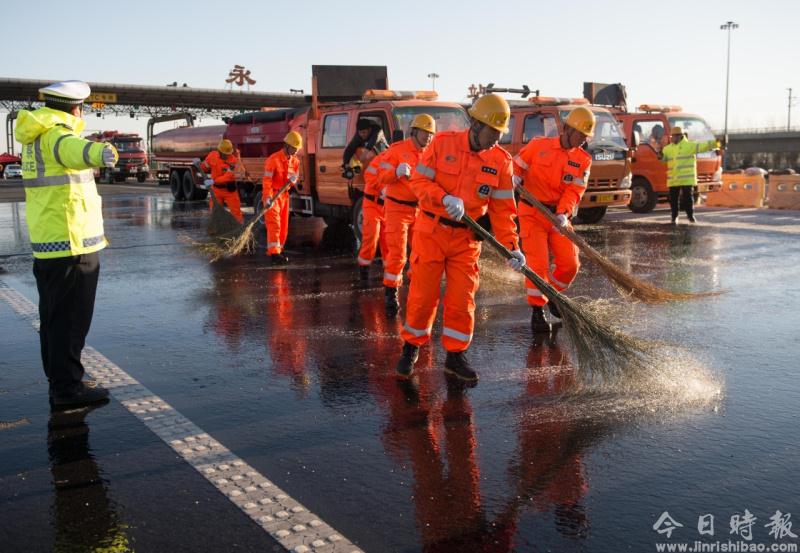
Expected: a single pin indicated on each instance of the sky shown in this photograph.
(663, 52)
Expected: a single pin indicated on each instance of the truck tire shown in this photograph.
(175, 185)
(643, 199)
(189, 189)
(591, 215)
(141, 177)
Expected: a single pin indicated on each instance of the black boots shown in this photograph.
(456, 364)
(278, 259)
(392, 303)
(363, 273)
(405, 366)
(556, 322)
(78, 395)
(538, 323)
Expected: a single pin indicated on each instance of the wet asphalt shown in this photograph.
(292, 370)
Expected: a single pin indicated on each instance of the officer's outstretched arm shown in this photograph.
(74, 152)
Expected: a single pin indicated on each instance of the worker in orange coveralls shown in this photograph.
(460, 172)
(221, 163)
(555, 170)
(394, 172)
(281, 167)
(373, 229)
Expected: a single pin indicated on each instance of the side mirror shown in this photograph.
(397, 135)
(636, 139)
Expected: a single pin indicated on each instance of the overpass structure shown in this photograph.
(151, 101)
(768, 148)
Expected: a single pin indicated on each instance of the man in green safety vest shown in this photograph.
(65, 224)
(681, 159)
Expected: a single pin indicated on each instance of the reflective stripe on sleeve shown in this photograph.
(426, 171)
(86, 159)
(502, 194)
(388, 166)
(372, 169)
(55, 149)
(93, 241)
(518, 161)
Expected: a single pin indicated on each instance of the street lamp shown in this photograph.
(433, 77)
(792, 101)
(727, 26)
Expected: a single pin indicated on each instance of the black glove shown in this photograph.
(231, 187)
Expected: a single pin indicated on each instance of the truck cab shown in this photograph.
(610, 174)
(323, 190)
(132, 157)
(652, 124)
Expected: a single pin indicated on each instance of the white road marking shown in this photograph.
(285, 519)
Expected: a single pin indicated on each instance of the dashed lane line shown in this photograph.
(285, 519)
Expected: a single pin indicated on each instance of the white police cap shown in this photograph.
(68, 92)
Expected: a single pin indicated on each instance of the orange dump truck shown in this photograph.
(610, 175)
(650, 126)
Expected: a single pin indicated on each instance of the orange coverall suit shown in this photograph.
(373, 229)
(557, 178)
(483, 181)
(222, 168)
(278, 168)
(401, 208)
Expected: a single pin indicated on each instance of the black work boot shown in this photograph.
(278, 259)
(78, 395)
(405, 366)
(363, 273)
(554, 311)
(538, 323)
(392, 303)
(456, 364)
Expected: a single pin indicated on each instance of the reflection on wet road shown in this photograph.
(292, 370)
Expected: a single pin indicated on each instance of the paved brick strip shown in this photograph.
(285, 519)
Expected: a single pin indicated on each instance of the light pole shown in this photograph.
(727, 26)
(791, 103)
(433, 77)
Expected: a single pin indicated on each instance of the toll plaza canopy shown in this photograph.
(21, 93)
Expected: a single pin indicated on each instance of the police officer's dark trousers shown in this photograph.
(686, 194)
(67, 287)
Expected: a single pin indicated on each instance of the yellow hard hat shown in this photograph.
(424, 122)
(676, 130)
(294, 140)
(581, 119)
(491, 110)
(225, 146)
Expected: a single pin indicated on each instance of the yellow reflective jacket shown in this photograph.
(62, 206)
(681, 160)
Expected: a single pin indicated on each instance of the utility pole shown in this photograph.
(791, 103)
(727, 26)
(433, 77)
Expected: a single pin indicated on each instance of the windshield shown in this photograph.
(129, 145)
(447, 118)
(694, 127)
(607, 131)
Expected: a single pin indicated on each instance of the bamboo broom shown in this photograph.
(602, 351)
(625, 282)
(221, 222)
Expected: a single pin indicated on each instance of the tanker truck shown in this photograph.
(172, 153)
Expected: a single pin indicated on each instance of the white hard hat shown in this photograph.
(68, 92)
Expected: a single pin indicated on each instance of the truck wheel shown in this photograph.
(141, 177)
(591, 215)
(175, 185)
(358, 222)
(189, 189)
(643, 199)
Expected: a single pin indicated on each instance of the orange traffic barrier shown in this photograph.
(738, 190)
(784, 192)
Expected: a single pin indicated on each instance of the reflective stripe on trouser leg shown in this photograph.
(274, 221)
(534, 233)
(427, 260)
(370, 232)
(461, 284)
(399, 218)
(565, 261)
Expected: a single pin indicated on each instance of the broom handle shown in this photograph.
(505, 252)
(568, 232)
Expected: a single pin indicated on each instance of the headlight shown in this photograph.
(717, 176)
(626, 182)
